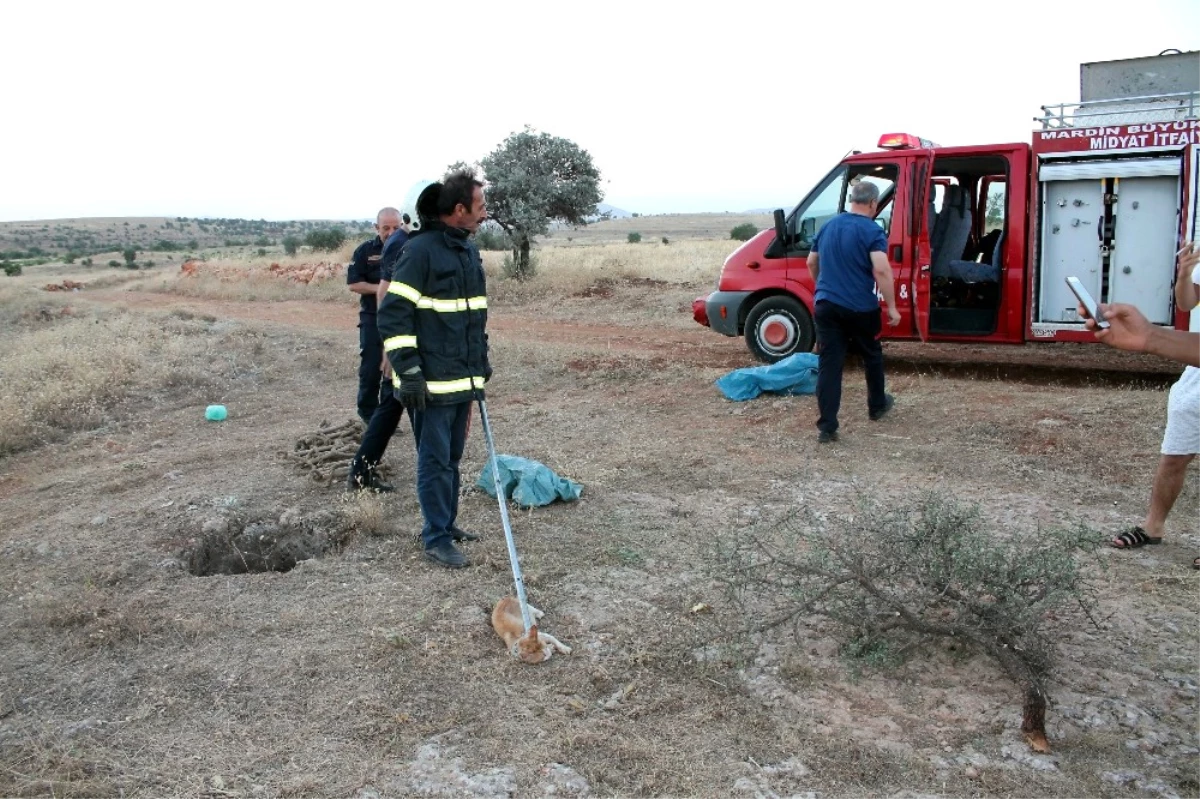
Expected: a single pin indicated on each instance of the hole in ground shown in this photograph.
(232, 546)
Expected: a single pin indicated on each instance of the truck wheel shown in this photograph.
(778, 327)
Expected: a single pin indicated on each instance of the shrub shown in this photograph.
(326, 240)
(291, 244)
(261, 252)
(86, 262)
(70, 257)
(262, 241)
(893, 578)
(490, 238)
(10, 269)
(634, 237)
(743, 232)
(130, 255)
(165, 246)
(114, 263)
(193, 244)
(666, 240)
(511, 268)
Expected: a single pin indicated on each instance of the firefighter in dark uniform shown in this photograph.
(433, 321)
(364, 467)
(362, 277)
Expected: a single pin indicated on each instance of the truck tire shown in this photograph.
(777, 327)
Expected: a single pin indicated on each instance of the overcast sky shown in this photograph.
(331, 110)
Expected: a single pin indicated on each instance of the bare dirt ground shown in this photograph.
(369, 673)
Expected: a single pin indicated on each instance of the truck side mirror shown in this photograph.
(780, 232)
(808, 230)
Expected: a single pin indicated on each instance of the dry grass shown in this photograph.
(592, 271)
(251, 278)
(675, 227)
(122, 674)
(66, 367)
(571, 273)
(366, 514)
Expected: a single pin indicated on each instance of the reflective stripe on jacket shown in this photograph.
(434, 315)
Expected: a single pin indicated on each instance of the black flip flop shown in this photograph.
(1134, 538)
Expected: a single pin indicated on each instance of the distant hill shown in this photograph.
(52, 238)
(613, 211)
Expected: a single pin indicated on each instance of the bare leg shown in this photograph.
(1168, 483)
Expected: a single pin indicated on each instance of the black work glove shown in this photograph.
(487, 372)
(412, 391)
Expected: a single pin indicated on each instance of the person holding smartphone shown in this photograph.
(1129, 330)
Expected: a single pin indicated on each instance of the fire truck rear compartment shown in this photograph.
(1114, 224)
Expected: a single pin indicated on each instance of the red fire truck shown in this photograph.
(982, 237)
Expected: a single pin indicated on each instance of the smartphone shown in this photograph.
(1085, 299)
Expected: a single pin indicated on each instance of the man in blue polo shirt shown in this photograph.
(847, 262)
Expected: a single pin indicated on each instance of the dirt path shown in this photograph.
(518, 324)
(1038, 364)
(368, 672)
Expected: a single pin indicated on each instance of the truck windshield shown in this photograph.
(831, 197)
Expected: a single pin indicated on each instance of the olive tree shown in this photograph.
(535, 179)
(894, 578)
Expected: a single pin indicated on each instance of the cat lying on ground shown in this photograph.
(531, 647)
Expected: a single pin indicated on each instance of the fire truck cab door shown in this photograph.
(920, 230)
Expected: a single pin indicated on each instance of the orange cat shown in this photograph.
(533, 647)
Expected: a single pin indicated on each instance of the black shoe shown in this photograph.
(459, 534)
(368, 482)
(376, 484)
(827, 437)
(446, 554)
(888, 402)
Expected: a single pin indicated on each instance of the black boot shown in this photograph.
(445, 553)
(459, 534)
(376, 483)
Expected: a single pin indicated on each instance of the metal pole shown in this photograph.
(508, 536)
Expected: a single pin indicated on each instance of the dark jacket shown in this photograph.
(364, 268)
(434, 315)
(391, 254)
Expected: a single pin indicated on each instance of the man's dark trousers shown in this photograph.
(441, 433)
(369, 376)
(379, 432)
(840, 329)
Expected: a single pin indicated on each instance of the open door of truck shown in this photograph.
(920, 228)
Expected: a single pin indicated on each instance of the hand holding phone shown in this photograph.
(1086, 300)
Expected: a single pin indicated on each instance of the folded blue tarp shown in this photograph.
(528, 483)
(795, 374)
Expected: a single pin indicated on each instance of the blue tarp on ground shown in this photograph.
(527, 482)
(795, 374)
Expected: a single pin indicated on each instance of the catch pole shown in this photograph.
(508, 535)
